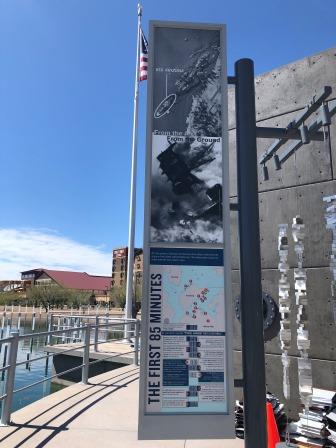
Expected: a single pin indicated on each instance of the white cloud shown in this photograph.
(23, 249)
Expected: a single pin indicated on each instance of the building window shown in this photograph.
(43, 281)
(112, 283)
(121, 282)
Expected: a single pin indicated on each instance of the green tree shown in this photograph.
(118, 296)
(9, 298)
(54, 296)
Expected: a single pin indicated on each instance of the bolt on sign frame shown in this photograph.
(186, 375)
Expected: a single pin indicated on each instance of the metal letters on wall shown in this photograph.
(300, 286)
(303, 341)
(284, 306)
(330, 216)
(186, 381)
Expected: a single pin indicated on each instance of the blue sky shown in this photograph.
(66, 104)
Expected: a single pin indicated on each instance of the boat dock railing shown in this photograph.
(88, 331)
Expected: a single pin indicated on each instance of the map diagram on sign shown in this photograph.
(193, 295)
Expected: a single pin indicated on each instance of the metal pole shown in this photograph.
(136, 343)
(253, 355)
(96, 334)
(50, 328)
(19, 319)
(33, 319)
(4, 362)
(131, 230)
(7, 402)
(1, 336)
(106, 321)
(86, 355)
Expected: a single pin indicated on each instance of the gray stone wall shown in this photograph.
(298, 188)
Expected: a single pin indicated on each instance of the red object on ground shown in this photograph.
(272, 429)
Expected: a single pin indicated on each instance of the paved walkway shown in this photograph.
(102, 414)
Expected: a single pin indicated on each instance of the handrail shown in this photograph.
(36, 383)
(85, 330)
(87, 316)
(65, 330)
(47, 379)
(48, 355)
(4, 368)
(5, 340)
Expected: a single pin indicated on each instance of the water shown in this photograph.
(32, 371)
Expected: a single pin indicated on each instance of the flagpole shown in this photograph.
(131, 228)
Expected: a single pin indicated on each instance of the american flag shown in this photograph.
(143, 57)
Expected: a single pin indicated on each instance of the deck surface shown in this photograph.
(101, 414)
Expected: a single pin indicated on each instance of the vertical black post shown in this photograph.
(250, 265)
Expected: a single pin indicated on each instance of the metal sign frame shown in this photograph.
(202, 425)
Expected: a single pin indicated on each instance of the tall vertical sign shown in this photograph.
(186, 378)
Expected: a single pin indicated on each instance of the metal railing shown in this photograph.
(59, 321)
(85, 334)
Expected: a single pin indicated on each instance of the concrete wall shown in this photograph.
(297, 188)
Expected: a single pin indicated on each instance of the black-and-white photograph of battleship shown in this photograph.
(186, 193)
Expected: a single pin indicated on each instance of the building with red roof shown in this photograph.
(82, 281)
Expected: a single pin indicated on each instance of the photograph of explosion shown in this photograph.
(186, 187)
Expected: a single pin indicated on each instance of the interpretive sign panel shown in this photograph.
(186, 368)
(186, 359)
